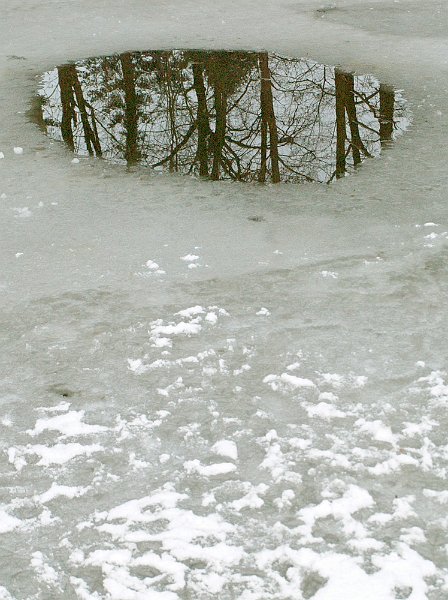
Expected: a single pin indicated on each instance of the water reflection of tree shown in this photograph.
(346, 106)
(74, 106)
(132, 153)
(223, 115)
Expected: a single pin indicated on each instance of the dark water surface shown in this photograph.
(244, 116)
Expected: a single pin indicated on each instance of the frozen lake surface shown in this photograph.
(211, 389)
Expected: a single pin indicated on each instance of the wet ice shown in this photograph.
(142, 452)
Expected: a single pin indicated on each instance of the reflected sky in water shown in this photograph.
(244, 116)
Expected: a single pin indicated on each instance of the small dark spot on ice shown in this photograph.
(61, 390)
(15, 57)
(257, 219)
(326, 9)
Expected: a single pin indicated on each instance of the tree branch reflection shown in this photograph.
(222, 115)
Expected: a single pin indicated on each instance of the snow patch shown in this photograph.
(194, 466)
(68, 424)
(226, 448)
(286, 381)
(57, 491)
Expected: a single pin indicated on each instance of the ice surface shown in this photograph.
(159, 439)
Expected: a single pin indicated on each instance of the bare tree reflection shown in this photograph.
(68, 105)
(341, 127)
(387, 103)
(268, 120)
(223, 115)
(132, 153)
(74, 106)
(202, 118)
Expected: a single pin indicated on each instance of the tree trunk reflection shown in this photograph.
(220, 128)
(339, 83)
(202, 119)
(68, 105)
(268, 120)
(387, 103)
(132, 153)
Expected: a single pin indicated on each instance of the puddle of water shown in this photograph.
(243, 116)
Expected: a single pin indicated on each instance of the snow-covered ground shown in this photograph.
(269, 424)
